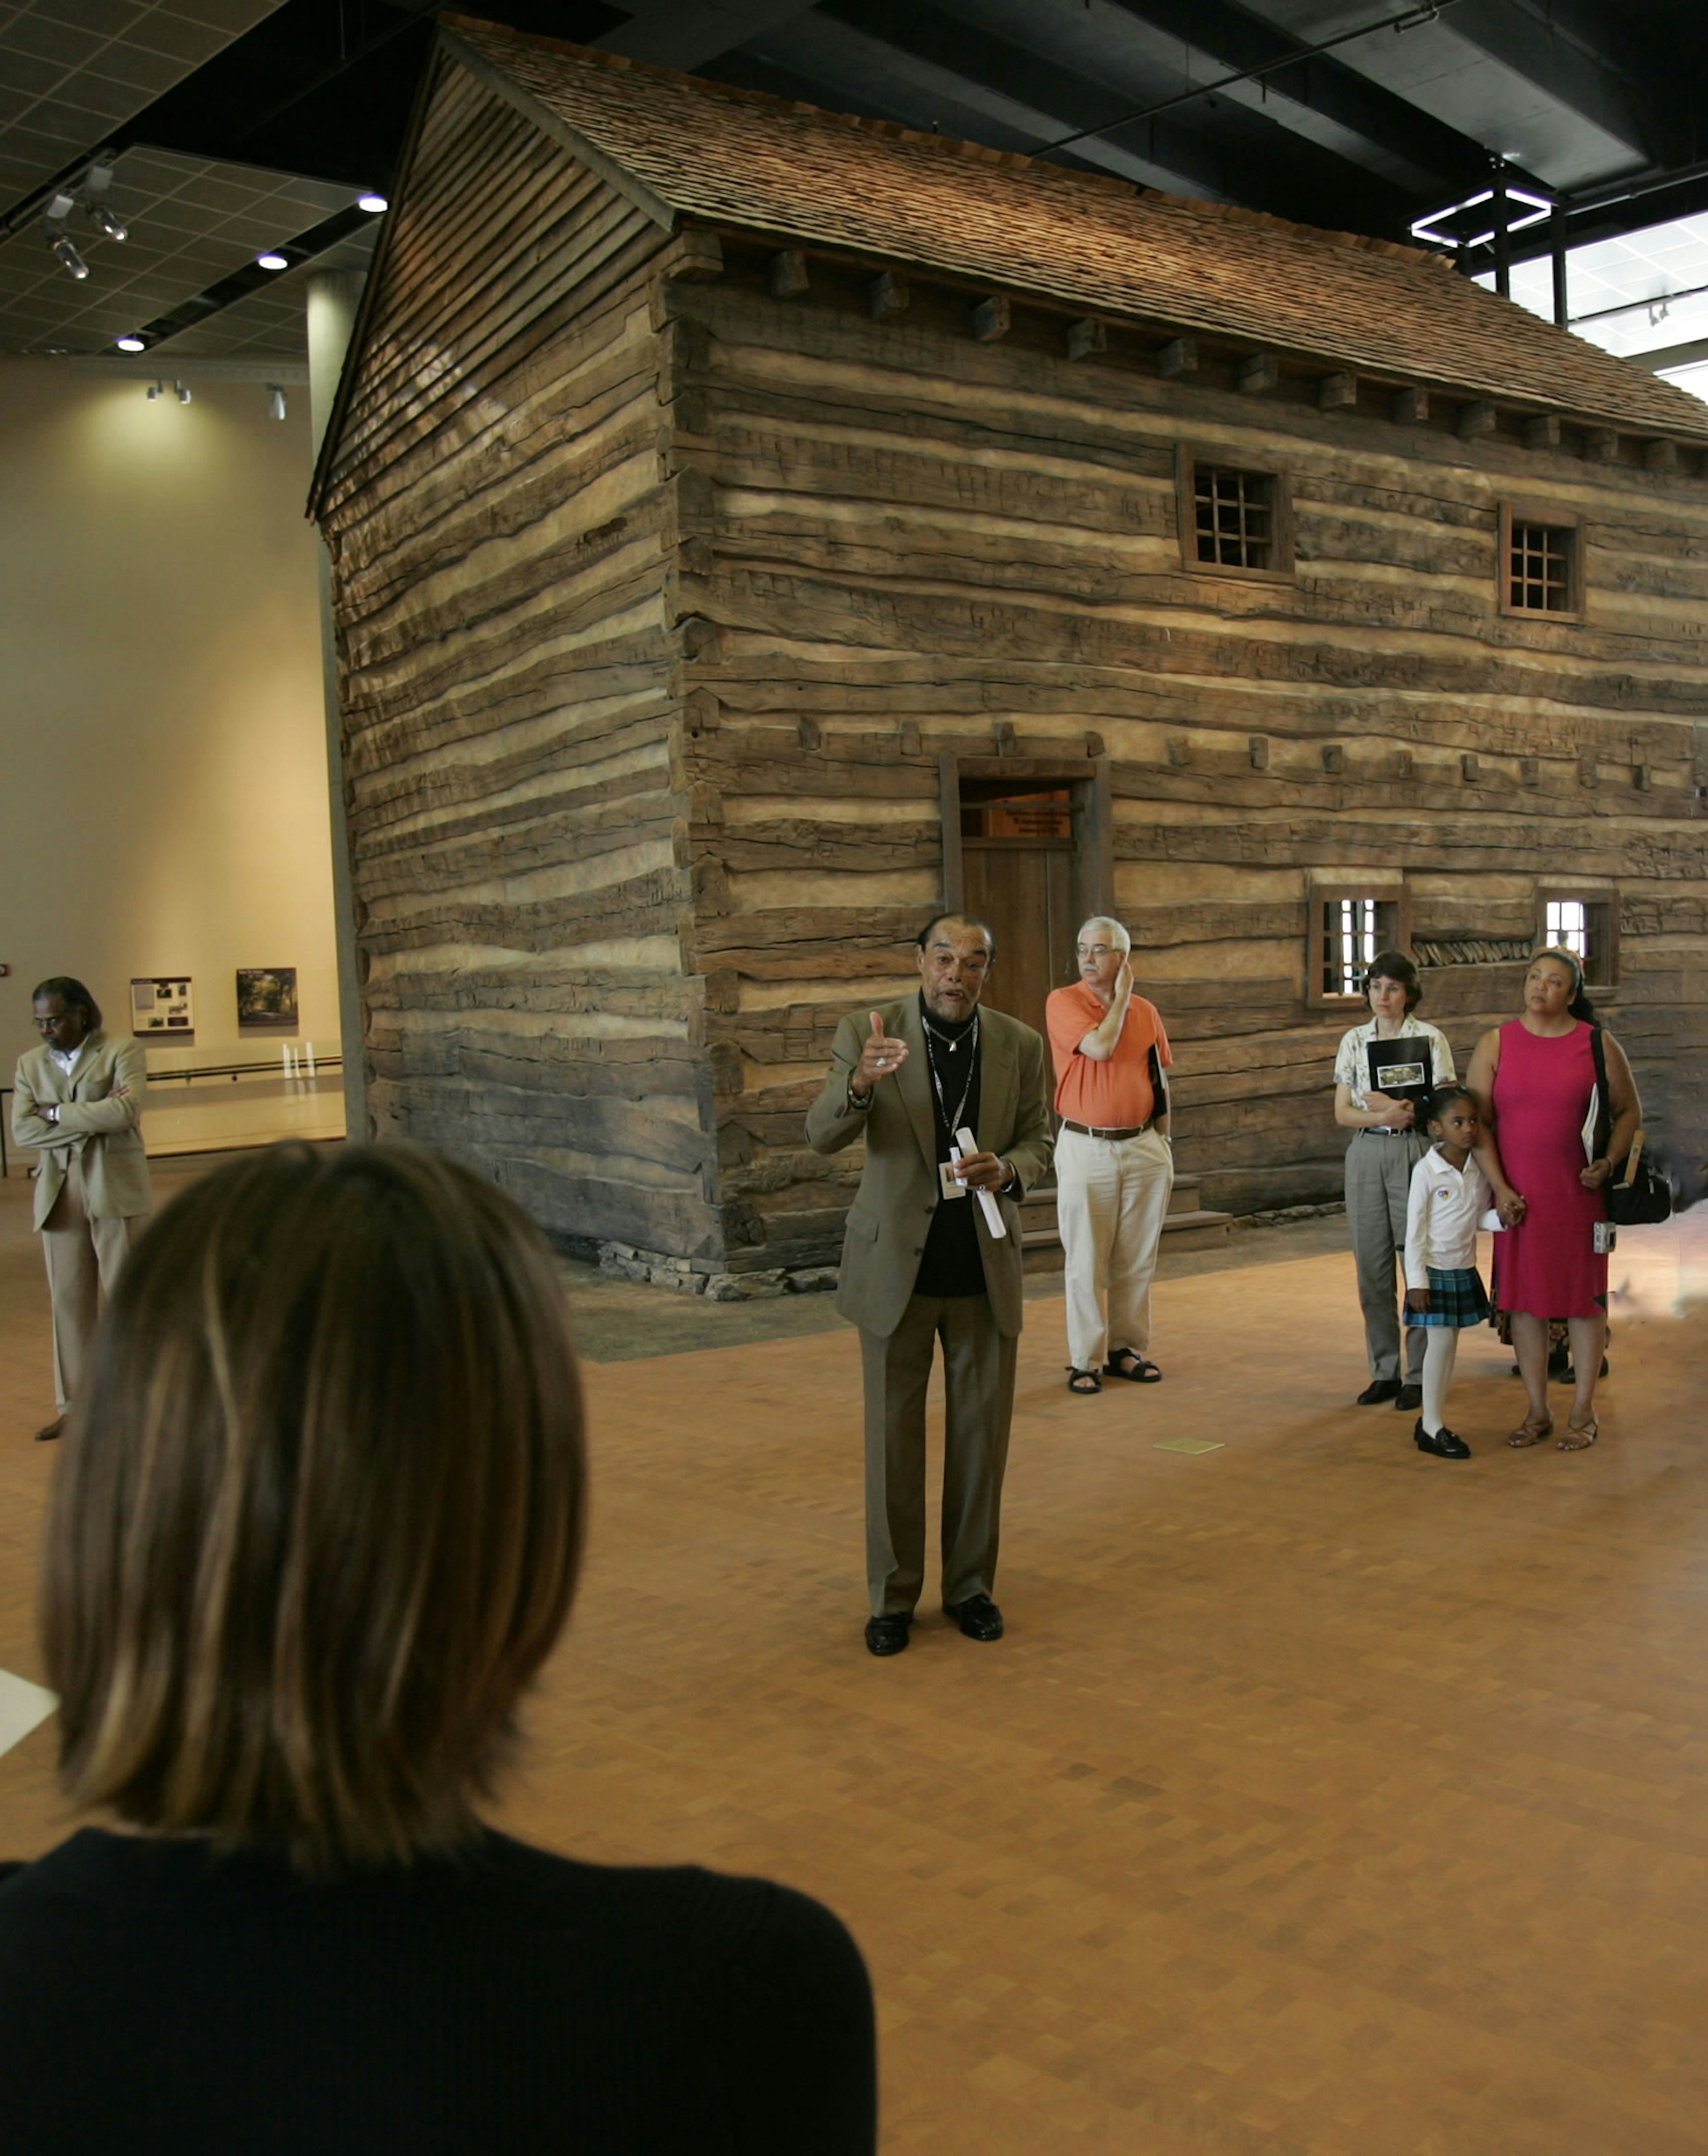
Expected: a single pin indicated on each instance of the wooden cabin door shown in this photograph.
(1020, 872)
(1026, 892)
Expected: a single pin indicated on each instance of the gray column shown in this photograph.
(332, 298)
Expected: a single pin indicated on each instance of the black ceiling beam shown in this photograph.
(1215, 148)
(1223, 32)
(1579, 53)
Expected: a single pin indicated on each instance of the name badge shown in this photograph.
(946, 1176)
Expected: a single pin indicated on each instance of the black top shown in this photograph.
(500, 2003)
(952, 1264)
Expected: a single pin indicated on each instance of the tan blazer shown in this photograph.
(102, 1131)
(899, 1191)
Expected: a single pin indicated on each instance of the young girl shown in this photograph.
(1448, 1195)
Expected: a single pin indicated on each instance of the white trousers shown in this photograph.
(1111, 1196)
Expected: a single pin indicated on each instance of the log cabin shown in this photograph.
(753, 529)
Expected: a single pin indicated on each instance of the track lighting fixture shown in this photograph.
(275, 400)
(60, 243)
(155, 391)
(183, 390)
(96, 208)
(65, 253)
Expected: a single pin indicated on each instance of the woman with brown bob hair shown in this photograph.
(316, 1525)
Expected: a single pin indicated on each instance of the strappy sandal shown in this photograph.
(1533, 1431)
(1144, 1371)
(1083, 1382)
(1580, 1435)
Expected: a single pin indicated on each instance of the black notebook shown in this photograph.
(1401, 1068)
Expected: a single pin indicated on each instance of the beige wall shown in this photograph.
(162, 739)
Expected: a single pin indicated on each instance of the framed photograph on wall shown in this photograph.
(163, 1009)
(266, 999)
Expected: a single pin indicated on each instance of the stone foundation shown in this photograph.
(622, 1261)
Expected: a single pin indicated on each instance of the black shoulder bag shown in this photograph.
(1641, 1196)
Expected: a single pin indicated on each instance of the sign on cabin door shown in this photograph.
(1021, 873)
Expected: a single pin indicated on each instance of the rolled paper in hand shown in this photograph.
(965, 1142)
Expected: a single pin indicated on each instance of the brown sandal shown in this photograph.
(1580, 1435)
(1532, 1431)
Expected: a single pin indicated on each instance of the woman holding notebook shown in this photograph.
(1384, 1068)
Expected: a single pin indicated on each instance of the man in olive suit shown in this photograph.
(77, 1105)
(920, 1262)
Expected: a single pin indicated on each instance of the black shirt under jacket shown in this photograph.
(952, 1264)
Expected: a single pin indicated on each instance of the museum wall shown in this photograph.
(163, 805)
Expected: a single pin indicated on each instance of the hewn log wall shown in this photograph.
(502, 525)
(913, 541)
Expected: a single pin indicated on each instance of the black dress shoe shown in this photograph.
(1378, 1390)
(1445, 1444)
(888, 1636)
(977, 1616)
(51, 1431)
(1409, 1398)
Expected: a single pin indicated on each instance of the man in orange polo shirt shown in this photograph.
(1114, 1164)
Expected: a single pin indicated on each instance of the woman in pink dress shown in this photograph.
(1533, 1078)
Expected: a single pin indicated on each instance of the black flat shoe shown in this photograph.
(888, 1636)
(51, 1431)
(1445, 1444)
(1377, 1392)
(1409, 1399)
(977, 1616)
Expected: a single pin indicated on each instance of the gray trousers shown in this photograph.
(84, 1256)
(1378, 1182)
(978, 1384)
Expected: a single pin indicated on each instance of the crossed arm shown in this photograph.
(122, 1110)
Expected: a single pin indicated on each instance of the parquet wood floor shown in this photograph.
(1323, 1799)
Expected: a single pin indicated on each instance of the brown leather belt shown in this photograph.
(1086, 1129)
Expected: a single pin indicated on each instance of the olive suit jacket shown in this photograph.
(96, 1126)
(900, 1192)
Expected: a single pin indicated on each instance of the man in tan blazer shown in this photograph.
(77, 1103)
(920, 1264)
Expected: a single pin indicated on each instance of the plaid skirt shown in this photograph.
(1455, 1299)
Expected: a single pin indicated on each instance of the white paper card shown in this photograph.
(23, 1706)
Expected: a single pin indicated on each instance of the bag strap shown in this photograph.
(1603, 1106)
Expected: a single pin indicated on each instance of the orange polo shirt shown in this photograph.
(1114, 1095)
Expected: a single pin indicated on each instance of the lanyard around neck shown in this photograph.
(953, 1123)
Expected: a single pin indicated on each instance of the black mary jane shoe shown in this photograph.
(1378, 1392)
(888, 1636)
(1445, 1444)
(977, 1616)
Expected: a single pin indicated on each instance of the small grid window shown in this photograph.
(1349, 930)
(1347, 925)
(1566, 927)
(1539, 568)
(1234, 517)
(1586, 922)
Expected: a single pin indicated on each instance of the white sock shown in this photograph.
(1440, 1354)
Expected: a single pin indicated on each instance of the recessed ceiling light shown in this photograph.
(372, 203)
(131, 344)
(271, 262)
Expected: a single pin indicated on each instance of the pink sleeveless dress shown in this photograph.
(1547, 1266)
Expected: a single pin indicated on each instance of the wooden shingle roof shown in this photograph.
(738, 159)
